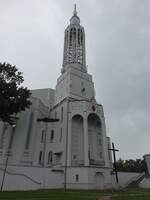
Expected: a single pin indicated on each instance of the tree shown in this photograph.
(14, 98)
(138, 165)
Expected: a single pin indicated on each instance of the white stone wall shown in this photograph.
(46, 95)
(125, 178)
(145, 183)
(87, 178)
(71, 84)
(31, 178)
(18, 154)
(147, 159)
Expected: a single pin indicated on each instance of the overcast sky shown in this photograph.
(117, 51)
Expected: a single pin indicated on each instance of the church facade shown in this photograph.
(60, 142)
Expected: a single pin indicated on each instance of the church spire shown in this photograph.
(74, 43)
(75, 10)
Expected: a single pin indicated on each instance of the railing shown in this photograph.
(135, 178)
(23, 175)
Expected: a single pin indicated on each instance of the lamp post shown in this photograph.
(13, 125)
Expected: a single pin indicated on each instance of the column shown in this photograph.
(69, 141)
(86, 143)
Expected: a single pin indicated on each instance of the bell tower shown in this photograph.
(74, 43)
(74, 81)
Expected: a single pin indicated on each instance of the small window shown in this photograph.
(42, 136)
(52, 136)
(40, 157)
(74, 156)
(77, 177)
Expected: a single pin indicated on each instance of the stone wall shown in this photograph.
(31, 178)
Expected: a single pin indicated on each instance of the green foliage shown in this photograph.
(14, 98)
(137, 165)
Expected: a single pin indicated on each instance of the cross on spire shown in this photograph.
(75, 10)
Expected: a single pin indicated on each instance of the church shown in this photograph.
(60, 141)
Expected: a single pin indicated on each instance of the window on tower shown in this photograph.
(52, 136)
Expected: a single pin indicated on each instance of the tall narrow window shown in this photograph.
(11, 138)
(60, 139)
(29, 130)
(52, 136)
(42, 136)
(40, 157)
(62, 114)
(50, 157)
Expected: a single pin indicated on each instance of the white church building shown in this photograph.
(60, 141)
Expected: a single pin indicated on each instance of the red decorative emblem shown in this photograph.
(93, 108)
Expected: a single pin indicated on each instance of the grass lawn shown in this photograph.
(51, 195)
(131, 194)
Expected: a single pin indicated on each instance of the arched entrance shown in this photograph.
(77, 143)
(99, 181)
(95, 139)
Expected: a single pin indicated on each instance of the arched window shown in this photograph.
(79, 37)
(74, 32)
(95, 139)
(70, 38)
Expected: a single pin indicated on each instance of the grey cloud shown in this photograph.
(118, 46)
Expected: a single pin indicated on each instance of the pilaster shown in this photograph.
(86, 143)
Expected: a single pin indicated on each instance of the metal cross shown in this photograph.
(114, 155)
